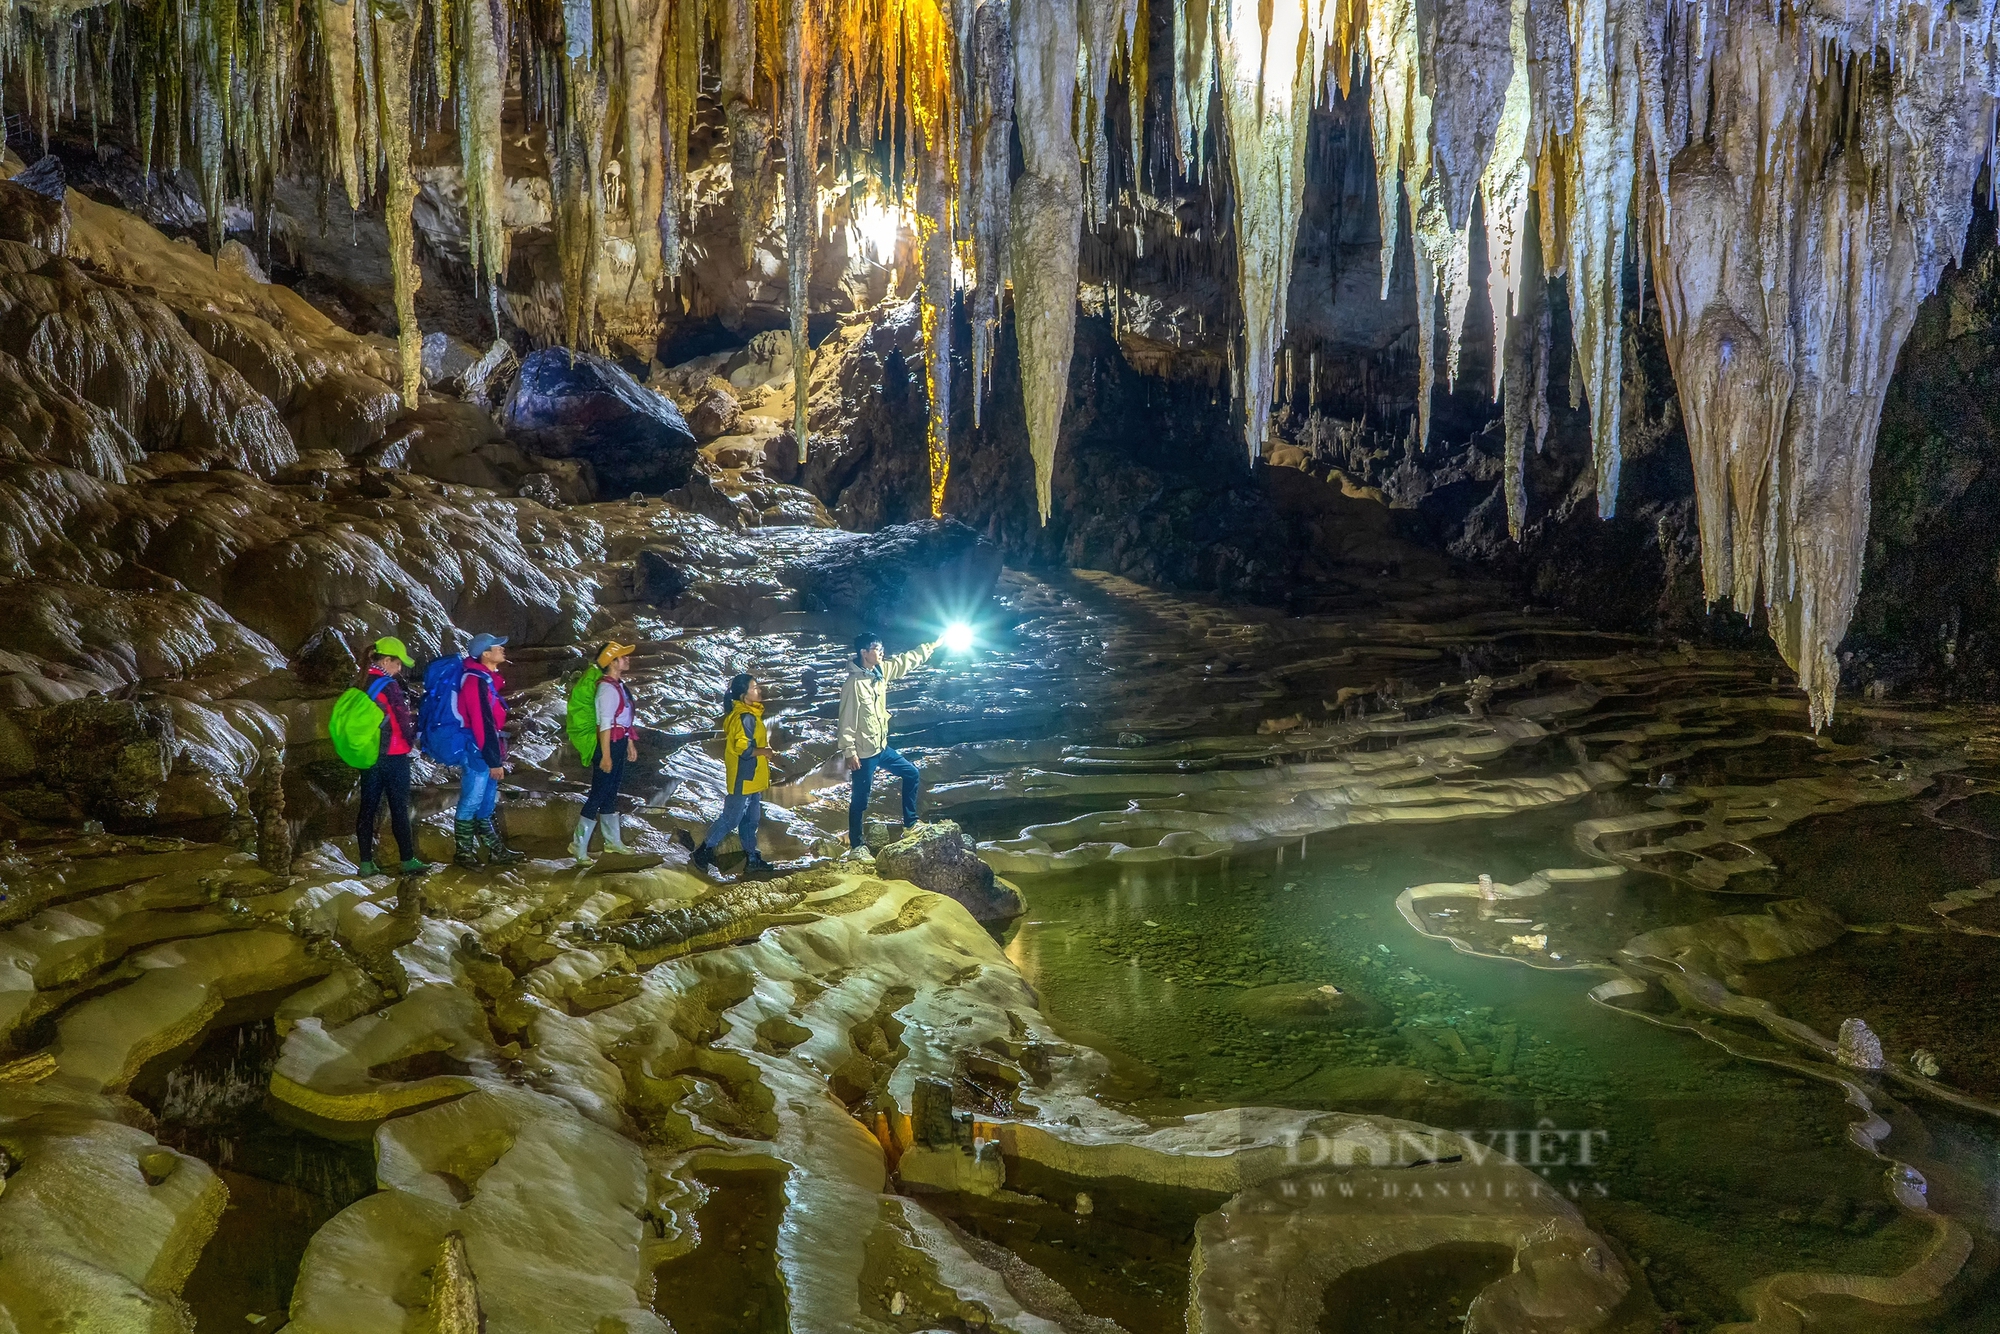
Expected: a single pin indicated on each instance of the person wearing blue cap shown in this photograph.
(482, 709)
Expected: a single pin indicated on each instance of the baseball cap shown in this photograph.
(480, 643)
(390, 647)
(613, 652)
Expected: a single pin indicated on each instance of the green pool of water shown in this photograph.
(1707, 1170)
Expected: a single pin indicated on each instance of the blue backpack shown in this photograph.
(441, 734)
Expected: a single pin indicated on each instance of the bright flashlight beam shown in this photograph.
(958, 636)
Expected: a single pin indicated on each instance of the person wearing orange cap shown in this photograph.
(617, 746)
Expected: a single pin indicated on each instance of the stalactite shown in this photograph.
(805, 62)
(481, 70)
(1048, 218)
(1104, 29)
(749, 125)
(1504, 186)
(990, 134)
(642, 51)
(683, 89)
(1467, 65)
(1599, 171)
(1811, 210)
(1192, 80)
(1270, 80)
(934, 236)
(1798, 178)
(395, 40)
(1524, 371)
(580, 172)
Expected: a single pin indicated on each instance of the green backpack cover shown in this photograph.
(356, 725)
(581, 723)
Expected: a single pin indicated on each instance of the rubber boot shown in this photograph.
(497, 851)
(613, 840)
(579, 846)
(465, 840)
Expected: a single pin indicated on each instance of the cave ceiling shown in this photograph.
(1790, 181)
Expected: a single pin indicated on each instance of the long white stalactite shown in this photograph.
(1048, 223)
(1790, 179)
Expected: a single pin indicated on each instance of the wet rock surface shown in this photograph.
(915, 574)
(585, 407)
(939, 857)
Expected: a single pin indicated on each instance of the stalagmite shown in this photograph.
(395, 40)
(1048, 216)
(1270, 80)
(991, 130)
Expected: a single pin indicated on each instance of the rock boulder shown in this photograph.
(939, 857)
(110, 755)
(582, 406)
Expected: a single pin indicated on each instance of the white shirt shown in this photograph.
(614, 708)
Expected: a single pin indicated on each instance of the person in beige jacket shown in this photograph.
(864, 729)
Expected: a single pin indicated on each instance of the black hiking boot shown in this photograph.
(497, 851)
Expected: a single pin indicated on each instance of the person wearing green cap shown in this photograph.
(389, 779)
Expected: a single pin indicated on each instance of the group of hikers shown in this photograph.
(462, 718)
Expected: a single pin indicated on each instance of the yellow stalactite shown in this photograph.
(395, 40)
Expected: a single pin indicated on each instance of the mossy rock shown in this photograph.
(1309, 1005)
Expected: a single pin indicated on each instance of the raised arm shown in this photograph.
(904, 663)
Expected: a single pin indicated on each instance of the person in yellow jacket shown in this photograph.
(864, 730)
(746, 764)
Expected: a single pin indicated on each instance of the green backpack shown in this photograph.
(356, 725)
(581, 723)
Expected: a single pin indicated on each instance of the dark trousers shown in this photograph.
(890, 762)
(603, 798)
(390, 778)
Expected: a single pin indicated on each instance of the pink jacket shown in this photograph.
(483, 710)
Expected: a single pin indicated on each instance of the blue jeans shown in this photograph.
(889, 761)
(741, 812)
(477, 792)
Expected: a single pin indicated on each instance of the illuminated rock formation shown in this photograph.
(1788, 251)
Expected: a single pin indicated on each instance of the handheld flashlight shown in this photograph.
(957, 636)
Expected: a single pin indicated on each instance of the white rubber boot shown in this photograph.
(613, 840)
(579, 846)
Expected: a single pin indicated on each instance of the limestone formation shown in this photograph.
(1617, 126)
(939, 857)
